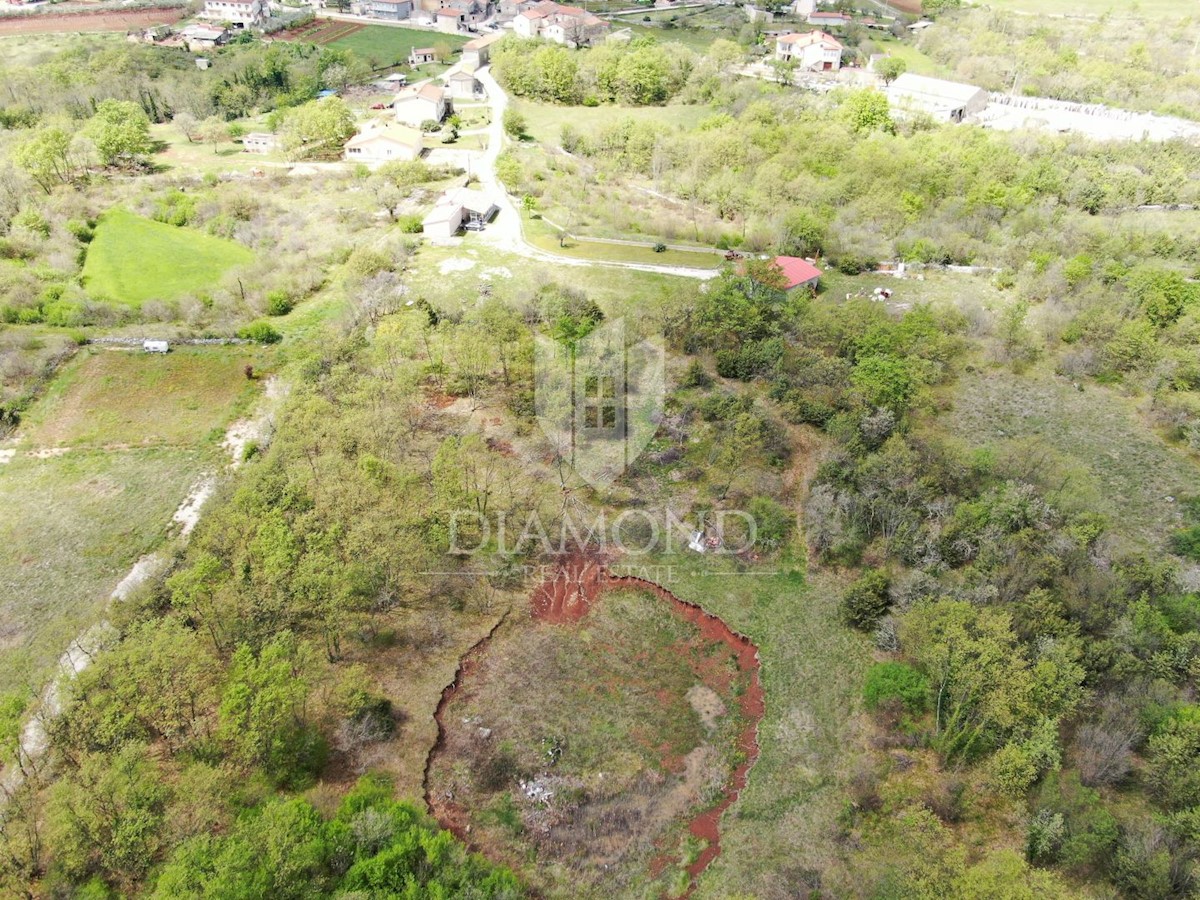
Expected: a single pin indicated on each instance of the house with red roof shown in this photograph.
(568, 25)
(815, 51)
(798, 273)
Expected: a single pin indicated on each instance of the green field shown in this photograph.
(107, 398)
(387, 46)
(72, 527)
(1143, 9)
(545, 237)
(132, 260)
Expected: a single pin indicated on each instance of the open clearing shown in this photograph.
(72, 526)
(1092, 446)
(1092, 9)
(133, 259)
(106, 398)
(586, 744)
(544, 121)
(103, 20)
(544, 237)
(380, 44)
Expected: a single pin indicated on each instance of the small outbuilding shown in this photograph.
(463, 86)
(946, 101)
(155, 346)
(798, 273)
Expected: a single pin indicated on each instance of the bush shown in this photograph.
(773, 523)
(865, 601)
(514, 124)
(410, 224)
(896, 681)
(260, 332)
(279, 303)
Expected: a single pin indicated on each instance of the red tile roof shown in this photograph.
(796, 270)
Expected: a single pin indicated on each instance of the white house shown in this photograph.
(464, 206)
(449, 20)
(561, 24)
(381, 142)
(946, 101)
(238, 13)
(260, 142)
(476, 53)
(416, 105)
(815, 50)
(804, 8)
(463, 86)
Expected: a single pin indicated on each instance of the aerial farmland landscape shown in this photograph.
(651, 449)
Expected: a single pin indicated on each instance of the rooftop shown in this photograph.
(811, 37)
(796, 271)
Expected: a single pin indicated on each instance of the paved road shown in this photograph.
(504, 232)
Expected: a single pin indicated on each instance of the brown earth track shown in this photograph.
(565, 598)
(105, 20)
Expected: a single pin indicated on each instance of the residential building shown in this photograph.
(458, 208)
(260, 142)
(416, 105)
(393, 10)
(816, 51)
(945, 101)
(798, 273)
(381, 142)
(463, 86)
(419, 56)
(237, 13)
(568, 25)
(827, 19)
(449, 20)
(476, 53)
(754, 14)
(804, 8)
(199, 37)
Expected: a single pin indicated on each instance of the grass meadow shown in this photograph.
(387, 46)
(72, 527)
(108, 397)
(133, 259)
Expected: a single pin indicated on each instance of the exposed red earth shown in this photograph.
(105, 20)
(565, 598)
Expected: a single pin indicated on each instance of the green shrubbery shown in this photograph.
(896, 681)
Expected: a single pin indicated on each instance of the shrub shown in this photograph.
(865, 601)
(514, 124)
(410, 224)
(279, 303)
(260, 332)
(773, 523)
(896, 681)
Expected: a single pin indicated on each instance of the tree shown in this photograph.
(46, 157)
(212, 131)
(890, 68)
(784, 70)
(867, 110)
(120, 130)
(866, 600)
(514, 124)
(187, 125)
(318, 128)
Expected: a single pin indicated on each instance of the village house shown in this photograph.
(828, 19)
(804, 8)
(463, 86)
(156, 33)
(754, 14)
(419, 56)
(204, 37)
(798, 273)
(461, 208)
(815, 51)
(260, 142)
(945, 101)
(449, 20)
(473, 11)
(237, 13)
(381, 142)
(393, 10)
(476, 53)
(416, 105)
(568, 25)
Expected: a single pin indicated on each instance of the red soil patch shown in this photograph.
(565, 598)
(50, 23)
